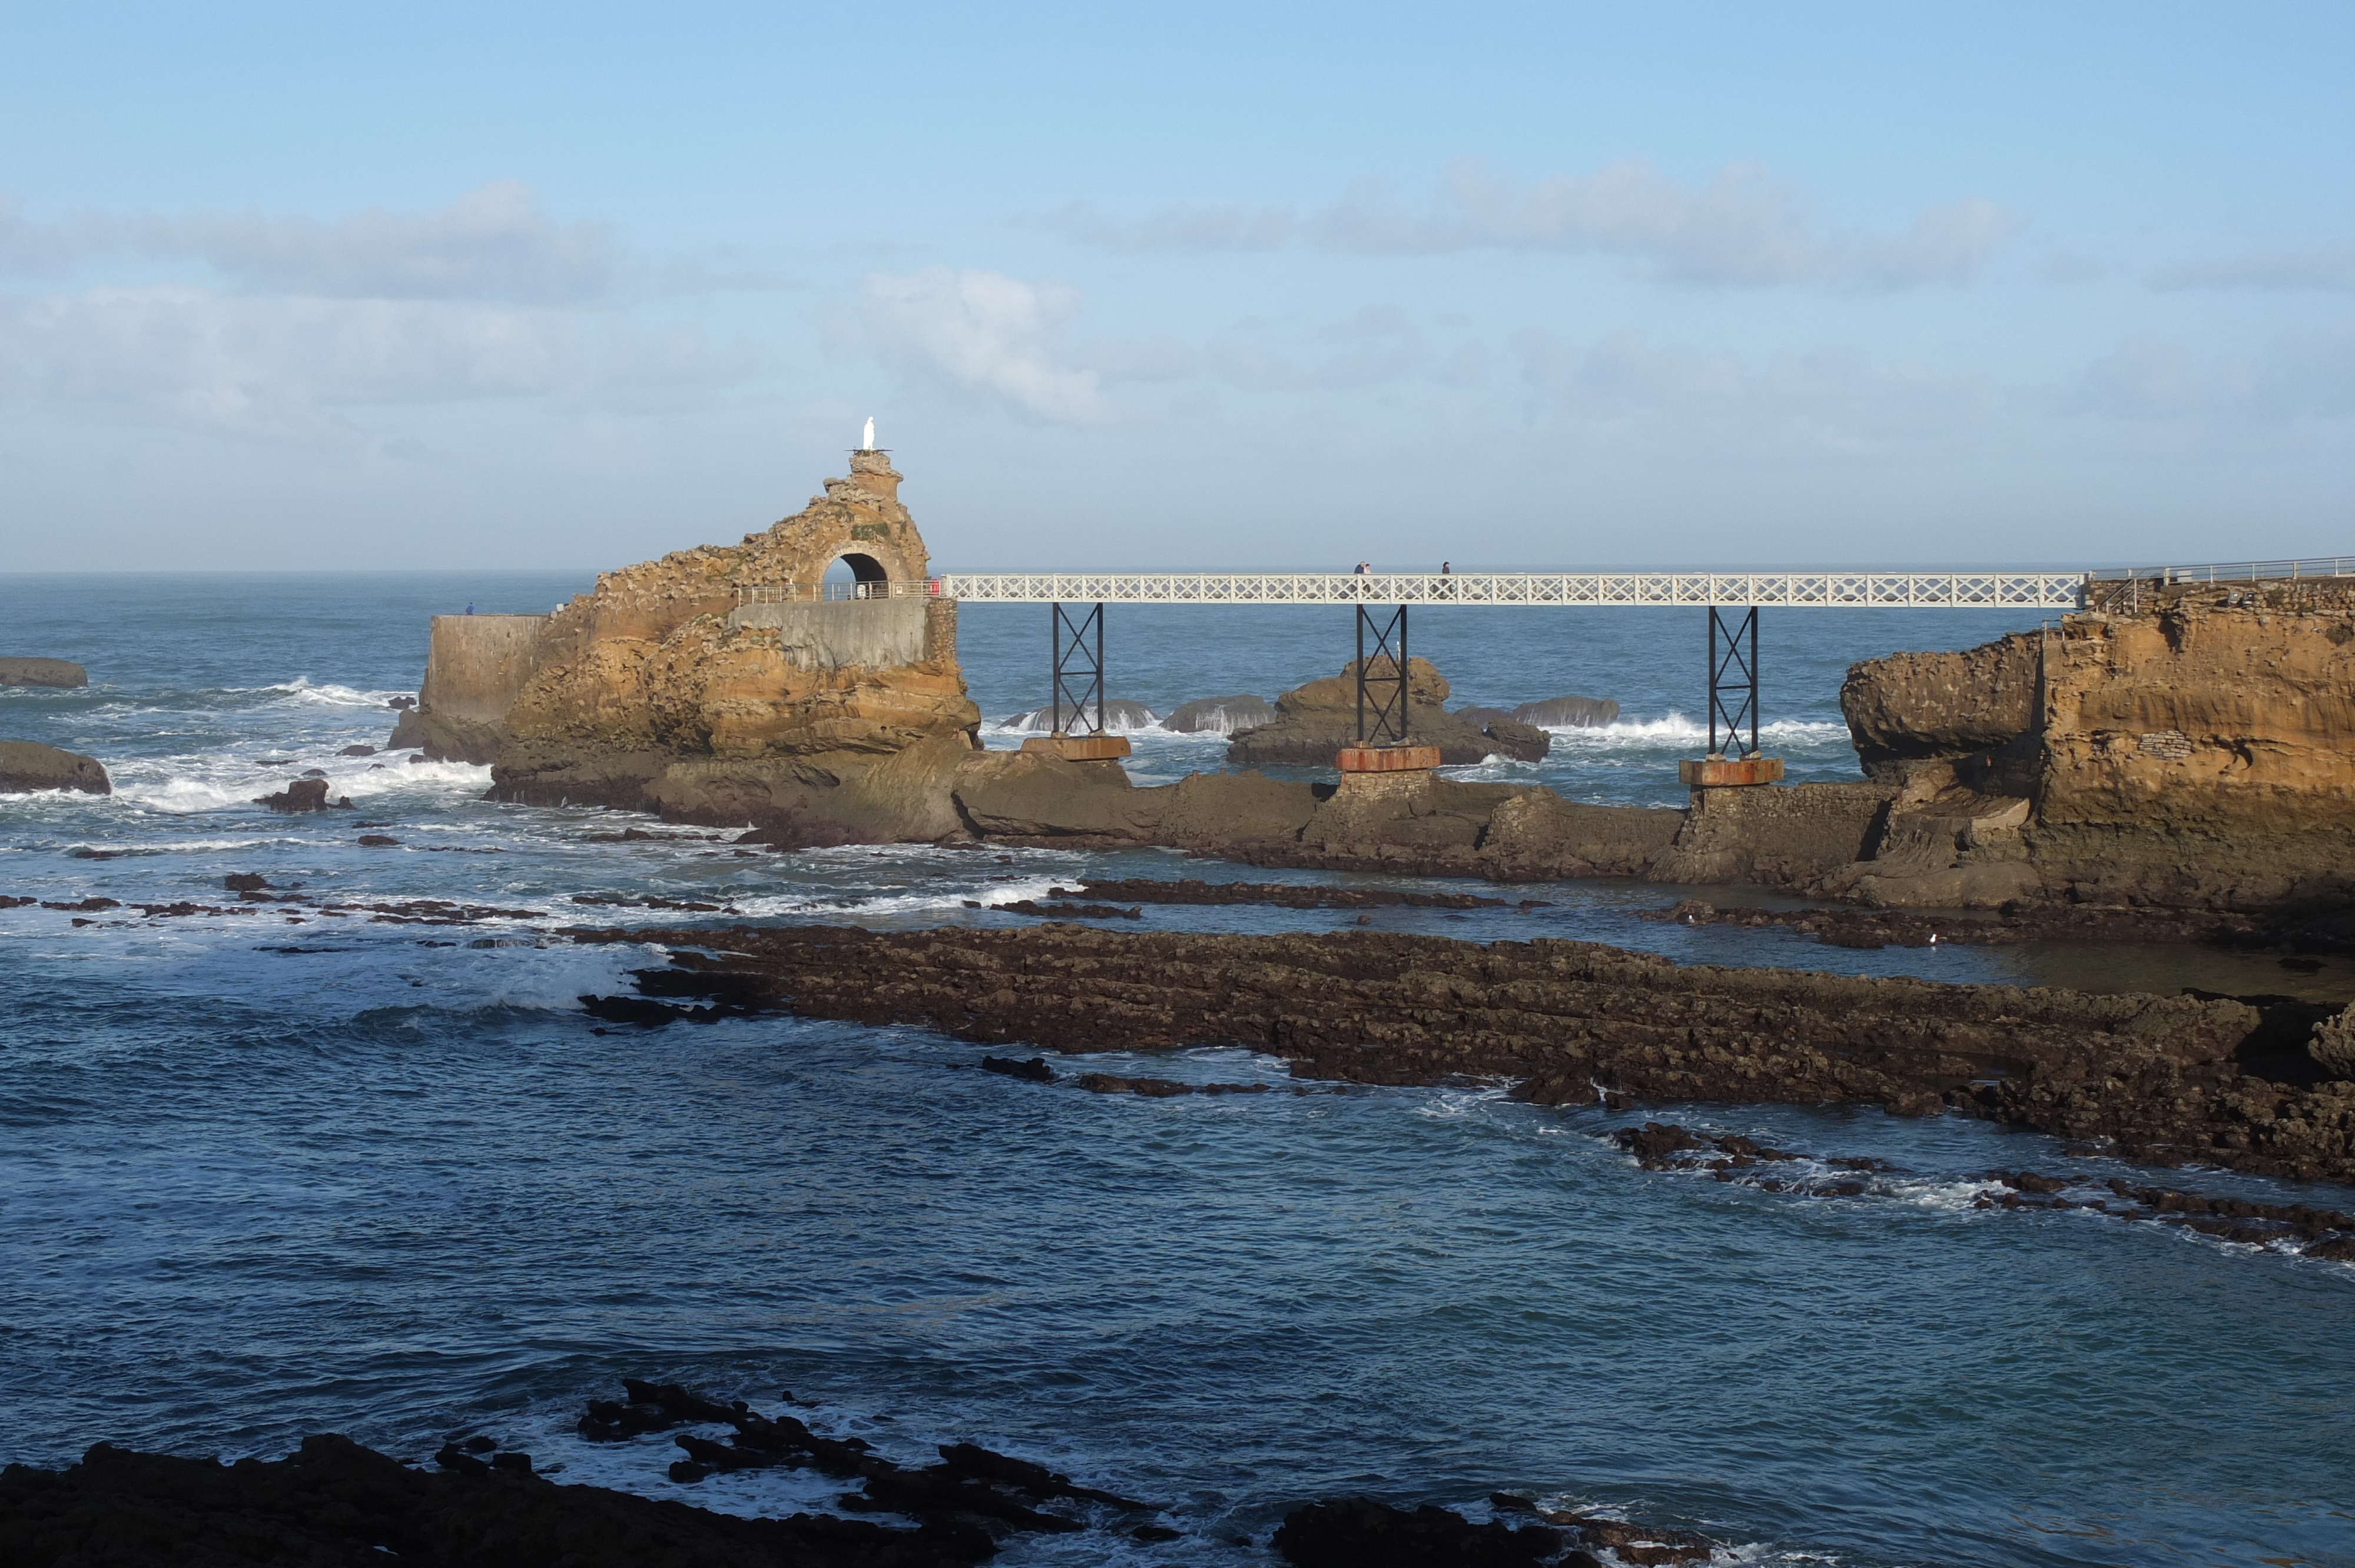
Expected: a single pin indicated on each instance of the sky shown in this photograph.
(1199, 286)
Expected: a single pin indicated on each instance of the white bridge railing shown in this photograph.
(2231, 571)
(1894, 590)
(1945, 590)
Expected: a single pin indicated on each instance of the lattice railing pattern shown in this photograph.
(1952, 590)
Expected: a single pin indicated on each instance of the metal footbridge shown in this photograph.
(1950, 590)
(1076, 602)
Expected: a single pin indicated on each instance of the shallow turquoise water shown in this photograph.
(400, 1189)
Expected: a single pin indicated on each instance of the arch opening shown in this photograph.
(855, 575)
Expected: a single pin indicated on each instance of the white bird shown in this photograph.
(867, 443)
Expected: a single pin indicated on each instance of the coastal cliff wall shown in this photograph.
(2189, 745)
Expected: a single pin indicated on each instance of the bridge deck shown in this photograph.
(1829, 590)
(1945, 590)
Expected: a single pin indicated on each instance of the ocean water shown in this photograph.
(272, 1173)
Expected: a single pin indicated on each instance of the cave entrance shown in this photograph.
(854, 575)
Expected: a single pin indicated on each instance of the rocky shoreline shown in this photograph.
(484, 1506)
(2264, 1086)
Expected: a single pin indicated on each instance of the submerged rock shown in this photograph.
(27, 766)
(58, 674)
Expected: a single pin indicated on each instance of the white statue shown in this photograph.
(867, 443)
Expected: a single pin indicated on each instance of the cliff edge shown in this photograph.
(2183, 745)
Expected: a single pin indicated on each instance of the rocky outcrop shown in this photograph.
(2190, 745)
(58, 674)
(1568, 713)
(1315, 721)
(27, 766)
(716, 685)
(1220, 715)
(2235, 1083)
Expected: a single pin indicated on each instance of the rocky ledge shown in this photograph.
(2264, 1086)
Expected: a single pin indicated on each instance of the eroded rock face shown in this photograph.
(27, 766)
(2188, 746)
(707, 685)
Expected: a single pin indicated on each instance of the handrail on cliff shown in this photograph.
(831, 593)
(2230, 571)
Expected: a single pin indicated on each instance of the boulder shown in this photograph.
(55, 673)
(445, 737)
(1119, 713)
(27, 766)
(1521, 742)
(1220, 715)
(1568, 713)
(1315, 721)
(300, 795)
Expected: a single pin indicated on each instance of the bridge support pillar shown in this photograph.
(1733, 704)
(1383, 761)
(1075, 673)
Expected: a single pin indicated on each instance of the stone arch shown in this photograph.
(864, 567)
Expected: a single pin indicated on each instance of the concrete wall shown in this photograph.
(877, 633)
(478, 664)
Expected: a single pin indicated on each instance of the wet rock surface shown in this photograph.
(2314, 1232)
(2158, 1079)
(2028, 923)
(1284, 895)
(27, 766)
(335, 1503)
(963, 1506)
(58, 675)
(1360, 1532)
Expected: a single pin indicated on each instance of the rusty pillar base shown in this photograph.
(1387, 758)
(1726, 772)
(1081, 748)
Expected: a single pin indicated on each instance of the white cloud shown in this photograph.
(987, 332)
(276, 367)
(296, 367)
(1744, 228)
(495, 243)
(2330, 266)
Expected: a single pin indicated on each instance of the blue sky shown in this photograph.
(1200, 286)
